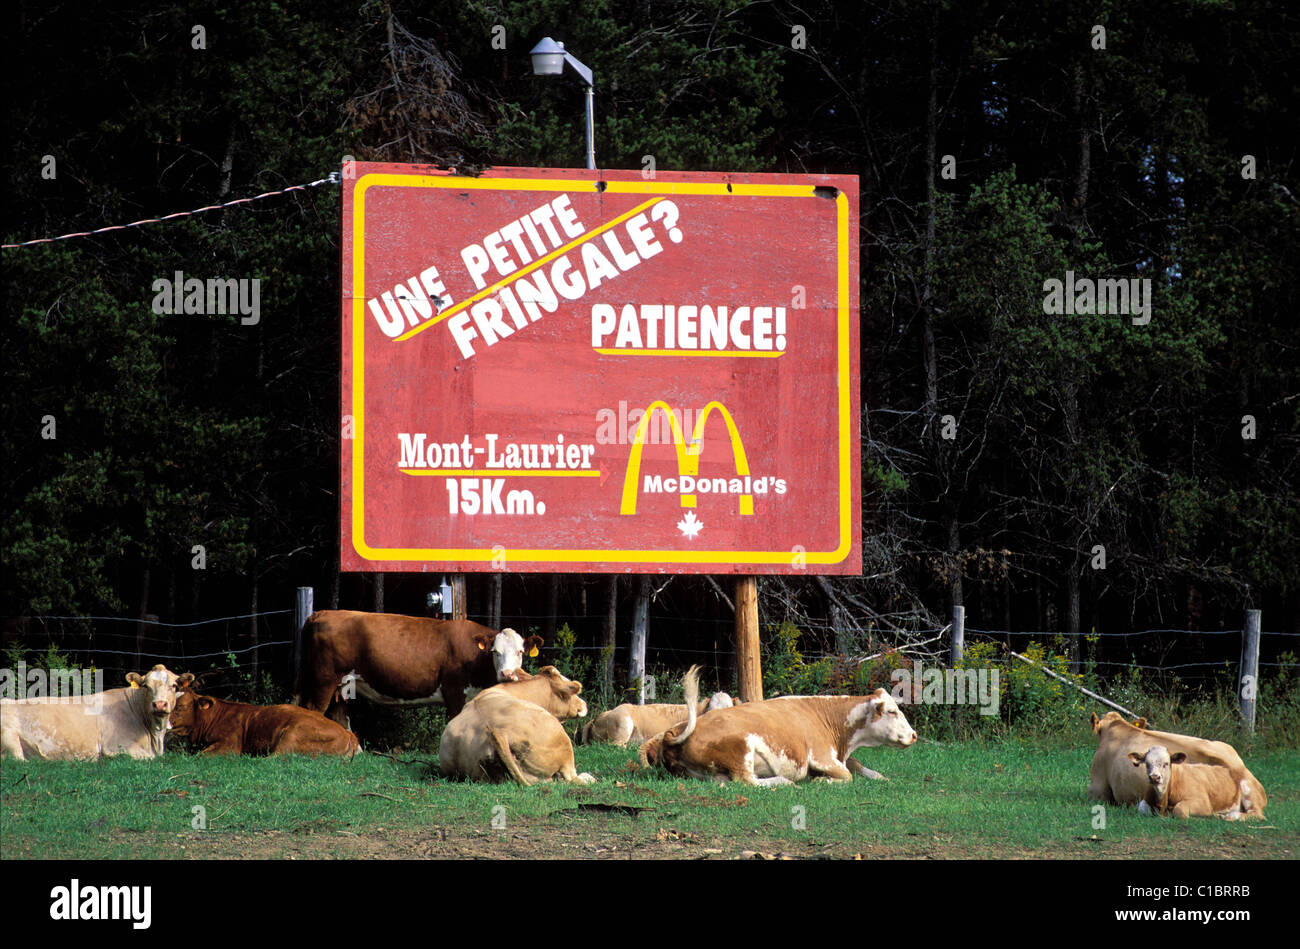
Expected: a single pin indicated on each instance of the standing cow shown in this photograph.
(404, 659)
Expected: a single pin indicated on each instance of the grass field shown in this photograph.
(967, 800)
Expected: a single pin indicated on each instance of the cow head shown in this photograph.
(879, 721)
(562, 701)
(508, 651)
(162, 687)
(1160, 765)
(185, 714)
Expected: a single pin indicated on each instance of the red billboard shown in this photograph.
(560, 370)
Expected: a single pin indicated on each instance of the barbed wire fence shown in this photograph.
(251, 655)
(232, 656)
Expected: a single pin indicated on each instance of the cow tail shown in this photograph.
(305, 637)
(691, 688)
(508, 758)
(650, 745)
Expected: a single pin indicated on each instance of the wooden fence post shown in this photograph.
(958, 635)
(748, 662)
(302, 609)
(640, 632)
(1249, 682)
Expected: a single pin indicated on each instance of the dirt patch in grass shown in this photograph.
(592, 835)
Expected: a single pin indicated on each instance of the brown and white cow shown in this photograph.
(1191, 790)
(780, 741)
(631, 724)
(1113, 778)
(502, 736)
(131, 721)
(404, 660)
(233, 728)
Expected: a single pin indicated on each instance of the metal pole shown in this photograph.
(1249, 684)
(591, 127)
(640, 632)
(303, 607)
(958, 635)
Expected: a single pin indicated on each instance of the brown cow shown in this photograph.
(501, 736)
(404, 658)
(234, 728)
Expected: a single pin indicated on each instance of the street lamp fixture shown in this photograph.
(549, 58)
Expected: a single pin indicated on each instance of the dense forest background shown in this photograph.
(999, 145)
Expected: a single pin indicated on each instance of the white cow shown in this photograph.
(132, 721)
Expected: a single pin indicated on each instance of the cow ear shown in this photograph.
(483, 640)
(204, 703)
(1139, 723)
(1094, 721)
(133, 678)
(185, 681)
(1136, 758)
(1177, 758)
(550, 671)
(534, 643)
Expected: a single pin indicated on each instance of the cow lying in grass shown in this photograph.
(630, 724)
(1191, 790)
(1113, 778)
(234, 728)
(130, 721)
(779, 741)
(512, 731)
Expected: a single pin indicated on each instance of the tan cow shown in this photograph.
(630, 724)
(501, 736)
(1113, 778)
(233, 728)
(782, 740)
(1191, 790)
(131, 721)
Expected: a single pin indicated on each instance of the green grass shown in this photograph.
(1002, 799)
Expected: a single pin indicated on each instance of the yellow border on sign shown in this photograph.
(526, 555)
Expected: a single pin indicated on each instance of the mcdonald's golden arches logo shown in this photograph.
(688, 453)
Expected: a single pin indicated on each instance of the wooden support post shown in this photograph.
(459, 602)
(748, 663)
(958, 635)
(302, 609)
(1249, 683)
(494, 602)
(640, 632)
